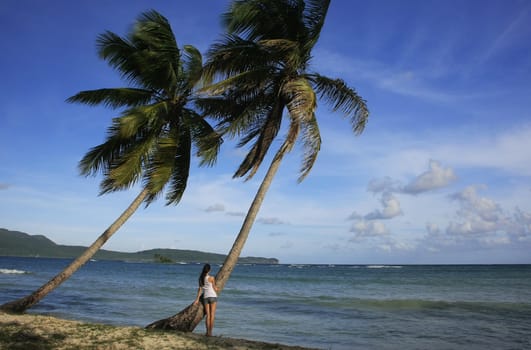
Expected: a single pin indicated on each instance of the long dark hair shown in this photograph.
(206, 269)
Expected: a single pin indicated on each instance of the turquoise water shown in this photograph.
(329, 307)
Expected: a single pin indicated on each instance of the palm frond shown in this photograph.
(314, 18)
(128, 168)
(342, 98)
(128, 138)
(247, 18)
(148, 117)
(243, 83)
(234, 116)
(285, 52)
(245, 113)
(268, 132)
(113, 98)
(311, 139)
(218, 107)
(237, 124)
(192, 65)
(154, 36)
(292, 135)
(117, 52)
(98, 158)
(251, 127)
(301, 99)
(160, 166)
(205, 139)
(234, 55)
(278, 45)
(265, 19)
(148, 56)
(301, 106)
(181, 169)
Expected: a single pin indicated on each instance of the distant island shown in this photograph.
(15, 243)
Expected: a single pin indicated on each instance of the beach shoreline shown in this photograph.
(30, 331)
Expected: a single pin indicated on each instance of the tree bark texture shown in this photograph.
(184, 321)
(22, 304)
(191, 316)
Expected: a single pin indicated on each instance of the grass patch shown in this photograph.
(18, 337)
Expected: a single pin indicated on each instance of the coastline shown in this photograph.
(30, 331)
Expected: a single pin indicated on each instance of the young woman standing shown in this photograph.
(207, 288)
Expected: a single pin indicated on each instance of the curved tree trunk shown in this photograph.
(187, 319)
(21, 305)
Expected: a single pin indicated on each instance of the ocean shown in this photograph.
(322, 306)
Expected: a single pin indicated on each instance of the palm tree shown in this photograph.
(262, 66)
(154, 135)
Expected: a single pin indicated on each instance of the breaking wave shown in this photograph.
(12, 272)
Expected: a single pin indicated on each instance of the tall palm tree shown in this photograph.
(154, 135)
(262, 68)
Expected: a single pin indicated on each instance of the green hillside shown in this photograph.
(14, 243)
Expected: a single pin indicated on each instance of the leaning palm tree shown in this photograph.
(154, 135)
(262, 71)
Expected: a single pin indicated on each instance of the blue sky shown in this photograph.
(440, 175)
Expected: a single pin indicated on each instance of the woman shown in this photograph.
(207, 288)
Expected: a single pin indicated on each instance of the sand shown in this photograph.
(44, 332)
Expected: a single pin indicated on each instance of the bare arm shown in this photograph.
(199, 292)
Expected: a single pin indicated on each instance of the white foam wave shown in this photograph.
(12, 271)
(298, 266)
(384, 267)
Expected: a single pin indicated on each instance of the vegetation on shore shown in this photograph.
(14, 243)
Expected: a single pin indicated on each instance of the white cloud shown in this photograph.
(355, 216)
(435, 177)
(481, 220)
(436, 239)
(386, 184)
(391, 208)
(394, 79)
(495, 241)
(368, 229)
(476, 215)
(483, 207)
(521, 225)
(432, 228)
(277, 234)
(392, 245)
(470, 226)
(515, 28)
(215, 208)
(270, 221)
(506, 151)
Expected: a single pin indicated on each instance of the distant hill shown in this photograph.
(14, 243)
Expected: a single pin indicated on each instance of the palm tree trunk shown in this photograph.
(187, 319)
(21, 305)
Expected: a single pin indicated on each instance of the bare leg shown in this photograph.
(207, 318)
(212, 316)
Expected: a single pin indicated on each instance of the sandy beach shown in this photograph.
(45, 332)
